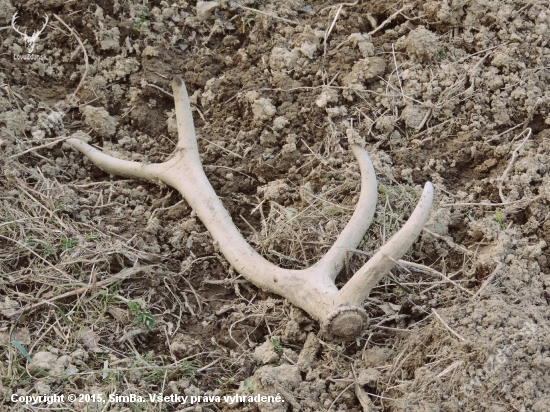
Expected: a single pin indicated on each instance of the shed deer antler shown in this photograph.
(340, 312)
(30, 40)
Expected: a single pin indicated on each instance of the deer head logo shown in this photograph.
(30, 40)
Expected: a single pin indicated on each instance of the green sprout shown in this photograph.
(46, 248)
(31, 242)
(63, 208)
(142, 19)
(246, 385)
(92, 236)
(499, 219)
(246, 20)
(141, 315)
(68, 243)
(277, 345)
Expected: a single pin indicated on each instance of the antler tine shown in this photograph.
(13, 19)
(116, 166)
(45, 23)
(186, 128)
(36, 33)
(340, 313)
(356, 290)
(333, 262)
(347, 317)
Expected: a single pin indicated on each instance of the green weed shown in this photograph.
(142, 19)
(141, 315)
(68, 243)
(499, 219)
(277, 345)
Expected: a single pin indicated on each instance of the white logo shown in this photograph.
(30, 40)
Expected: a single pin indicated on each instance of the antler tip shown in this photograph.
(177, 80)
(428, 192)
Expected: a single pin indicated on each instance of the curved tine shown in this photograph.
(184, 117)
(360, 285)
(116, 166)
(333, 261)
(45, 24)
(13, 19)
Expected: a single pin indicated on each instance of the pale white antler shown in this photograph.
(30, 40)
(13, 18)
(340, 312)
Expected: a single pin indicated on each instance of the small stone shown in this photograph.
(422, 44)
(43, 360)
(365, 70)
(413, 116)
(327, 96)
(150, 51)
(265, 353)
(280, 122)
(205, 9)
(178, 348)
(377, 356)
(263, 109)
(368, 376)
(99, 120)
(42, 388)
(282, 58)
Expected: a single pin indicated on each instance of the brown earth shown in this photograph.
(450, 92)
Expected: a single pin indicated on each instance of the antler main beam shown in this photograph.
(340, 312)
